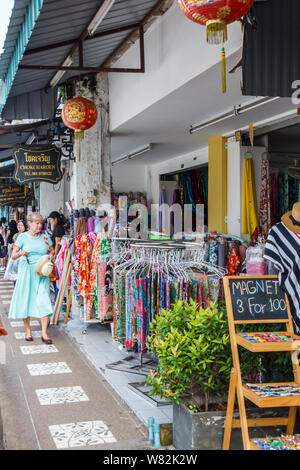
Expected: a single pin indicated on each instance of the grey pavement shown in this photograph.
(53, 397)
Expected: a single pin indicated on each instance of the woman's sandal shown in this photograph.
(47, 341)
(29, 338)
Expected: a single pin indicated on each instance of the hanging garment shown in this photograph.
(213, 252)
(283, 249)
(195, 188)
(162, 222)
(90, 225)
(80, 227)
(188, 193)
(292, 192)
(286, 193)
(298, 190)
(92, 297)
(60, 260)
(273, 199)
(265, 198)
(280, 193)
(250, 219)
(233, 262)
(175, 200)
(84, 267)
(181, 190)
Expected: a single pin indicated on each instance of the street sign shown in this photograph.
(12, 194)
(40, 163)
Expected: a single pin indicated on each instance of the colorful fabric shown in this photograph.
(250, 219)
(233, 262)
(265, 198)
(92, 285)
(273, 198)
(84, 266)
(60, 261)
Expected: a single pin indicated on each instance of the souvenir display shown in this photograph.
(283, 442)
(275, 390)
(267, 337)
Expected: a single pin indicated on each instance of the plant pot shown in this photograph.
(197, 431)
(204, 431)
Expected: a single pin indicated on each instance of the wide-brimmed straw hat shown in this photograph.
(291, 219)
(44, 266)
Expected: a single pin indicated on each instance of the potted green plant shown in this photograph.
(194, 363)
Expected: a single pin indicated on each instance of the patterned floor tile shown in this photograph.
(42, 349)
(55, 396)
(21, 334)
(81, 434)
(16, 324)
(48, 368)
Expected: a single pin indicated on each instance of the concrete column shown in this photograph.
(52, 197)
(90, 177)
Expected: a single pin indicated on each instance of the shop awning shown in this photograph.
(271, 55)
(62, 46)
(11, 136)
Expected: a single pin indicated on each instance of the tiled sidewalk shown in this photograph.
(52, 397)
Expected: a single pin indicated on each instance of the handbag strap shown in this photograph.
(46, 240)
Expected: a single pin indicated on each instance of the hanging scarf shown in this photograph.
(273, 199)
(265, 198)
(84, 270)
(80, 227)
(60, 260)
(93, 275)
(195, 188)
(250, 219)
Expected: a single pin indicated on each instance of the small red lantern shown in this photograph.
(216, 15)
(79, 114)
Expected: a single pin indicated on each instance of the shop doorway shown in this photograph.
(188, 188)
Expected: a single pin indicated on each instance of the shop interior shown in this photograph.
(283, 157)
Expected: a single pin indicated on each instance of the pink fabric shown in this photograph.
(90, 225)
(60, 260)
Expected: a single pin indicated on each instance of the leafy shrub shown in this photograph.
(193, 349)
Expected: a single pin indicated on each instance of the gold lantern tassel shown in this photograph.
(224, 87)
(79, 135)
(216, 31)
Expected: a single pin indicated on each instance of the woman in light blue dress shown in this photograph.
(31, 297)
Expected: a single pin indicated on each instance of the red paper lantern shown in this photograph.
(79, 114)
(215, 15)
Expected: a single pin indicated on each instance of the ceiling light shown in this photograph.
(237, 110)
(69, 61)
(134, 154)
(100, 15)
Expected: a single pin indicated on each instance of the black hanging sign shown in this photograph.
(37, 164)
(12, 194)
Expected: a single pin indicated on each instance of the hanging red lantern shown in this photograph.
(215, 15)
(79, 114)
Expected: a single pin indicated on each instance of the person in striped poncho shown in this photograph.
(283, 250)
